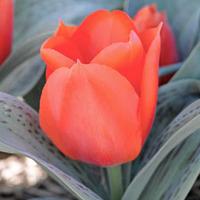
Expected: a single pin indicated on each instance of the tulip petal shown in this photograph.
(148, 17)
(127, 58)
(54, 60)
(58, 52)
(149, 86)
(147, 37)
(64, 30)
(90, 112)
(146, 20)
(6, 28)
(55, 50)
(62, 46)
(169, 53)
(101, 29)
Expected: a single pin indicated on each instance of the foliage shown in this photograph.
(170, 160)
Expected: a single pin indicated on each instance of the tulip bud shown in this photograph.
(149, 17)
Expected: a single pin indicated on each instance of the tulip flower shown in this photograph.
(149, 17)
(6, 28)
(99, 100)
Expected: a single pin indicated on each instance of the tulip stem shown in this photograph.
(115, 181)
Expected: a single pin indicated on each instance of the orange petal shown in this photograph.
(149, 86)
(58, 52)
(90, 113)
(6, 28)
(63, 46)
(101, 29)
(64, 30)
(148, 17)
(148, 36)
(146, 20)
(169, 53)
(54, 60)
(127, 58)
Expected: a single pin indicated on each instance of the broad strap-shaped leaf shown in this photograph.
(180, 168)
(183, 16)
(35, 17)
(23, 68)
(20, 133)
(169, 69)
(191, 67)
(183, 126)
(173, 97)
(177, 173)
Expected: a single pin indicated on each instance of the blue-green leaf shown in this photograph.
(20, 133)
(181, 129)
(191, 67)
(23, 69)
(35, 17)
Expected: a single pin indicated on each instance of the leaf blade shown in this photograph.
(137, 186)
(20, 133)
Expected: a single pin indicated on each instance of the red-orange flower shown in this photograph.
(6, 28)
(149, 17)
(100, 108)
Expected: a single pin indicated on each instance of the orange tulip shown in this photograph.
(6, 28)
(149, 17)
(100, 108)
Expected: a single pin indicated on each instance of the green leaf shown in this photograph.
(23, 68)
(20, 133)
(191, 66)
(184, 18)
(183, 126)
(177, 173)
(180, 168)
(173, 98)
(169, 69)
(35, 17)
